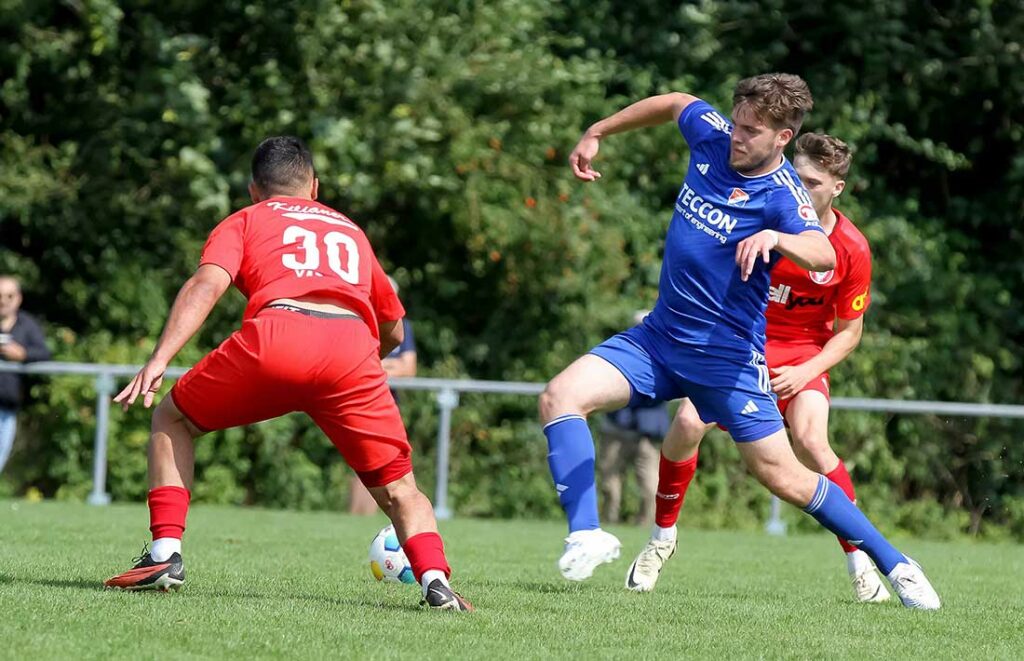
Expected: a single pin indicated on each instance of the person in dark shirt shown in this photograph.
(21, 341)
(630, 436)
(400, 362)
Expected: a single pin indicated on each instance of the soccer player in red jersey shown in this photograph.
(321, 314)
(814, 321)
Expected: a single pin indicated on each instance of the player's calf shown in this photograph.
(413, 517)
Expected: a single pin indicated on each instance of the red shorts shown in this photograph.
(282, 361)
(779, 354)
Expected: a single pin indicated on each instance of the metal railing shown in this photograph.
(447, 397)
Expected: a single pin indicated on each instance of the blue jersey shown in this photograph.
(702, 302)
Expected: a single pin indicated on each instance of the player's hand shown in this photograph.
(581, 157)
(750, 248)
(13, 352)
(146, 383)
(791, 379)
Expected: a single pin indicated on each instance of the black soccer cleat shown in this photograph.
(441, 597)
(147, 574)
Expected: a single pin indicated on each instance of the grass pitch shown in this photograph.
(296, 585)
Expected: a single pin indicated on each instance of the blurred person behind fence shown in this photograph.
(21, 341)
(629, 437)
(400, 362)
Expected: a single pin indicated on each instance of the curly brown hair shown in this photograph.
(827, 152)
(780, 100)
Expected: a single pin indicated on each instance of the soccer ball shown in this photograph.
(387, 559)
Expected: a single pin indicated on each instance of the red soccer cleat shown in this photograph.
(148, 574)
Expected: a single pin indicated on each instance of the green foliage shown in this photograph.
(125, 131)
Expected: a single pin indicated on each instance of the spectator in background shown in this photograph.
(400, 362)
(629, 437)
(21, 341)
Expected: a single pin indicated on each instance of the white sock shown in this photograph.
(857, 562)
(660, 534)
(430, 576)
(163, 548)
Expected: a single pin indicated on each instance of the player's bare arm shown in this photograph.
(651, 111)
(391, 335)
(810, 250)
(192, 306)
(789, 380)
(403, 364)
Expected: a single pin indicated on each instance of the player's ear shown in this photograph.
(254, 193)
(838, 190)
(316, 188)
(783, 137)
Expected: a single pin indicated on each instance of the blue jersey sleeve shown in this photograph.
(700, 122)
(789, 209)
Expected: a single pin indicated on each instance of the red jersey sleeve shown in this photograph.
(224, 245)
(854, 294)
(383, 297)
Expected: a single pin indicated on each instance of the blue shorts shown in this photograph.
(734, 393)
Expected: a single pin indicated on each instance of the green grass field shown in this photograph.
(284, 584)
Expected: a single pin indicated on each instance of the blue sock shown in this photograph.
(571, 459)
(832, 509)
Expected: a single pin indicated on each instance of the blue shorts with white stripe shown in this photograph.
(725, 390)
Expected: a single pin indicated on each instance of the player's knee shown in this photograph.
(556, 400)
(812, 447)
(166, 416)
(397, 494)
(692, 429)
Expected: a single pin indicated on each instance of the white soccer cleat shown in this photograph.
(585, 550)
(868, 587)
(912, 587)
(643, 573)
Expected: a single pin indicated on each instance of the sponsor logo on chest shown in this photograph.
(738, 197)
(783, 295)
(704, 215)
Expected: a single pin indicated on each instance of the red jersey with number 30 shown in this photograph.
(290, 247)
(803, 305)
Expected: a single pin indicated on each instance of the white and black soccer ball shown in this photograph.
(388, 561)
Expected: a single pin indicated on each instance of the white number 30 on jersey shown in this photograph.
(310, 258)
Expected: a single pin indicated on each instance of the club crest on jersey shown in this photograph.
(738, 197)
(821, 277)
(806, 212)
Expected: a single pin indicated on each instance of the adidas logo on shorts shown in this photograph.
(751, 407)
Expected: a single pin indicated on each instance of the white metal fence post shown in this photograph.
(775, 526)
(104, 390)
(447, 400)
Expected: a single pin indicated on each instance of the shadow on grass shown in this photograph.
(70, 583)
(325, 600)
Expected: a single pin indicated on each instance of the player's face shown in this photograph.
(754, 145)
(10, 297)
(823, 187)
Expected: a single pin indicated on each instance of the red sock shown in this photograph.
(841, 478)
(425, 552)
(168, 507)
(673, 480)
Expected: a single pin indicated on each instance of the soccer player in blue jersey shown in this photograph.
(740, 207)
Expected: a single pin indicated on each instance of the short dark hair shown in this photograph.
(827, 152)
(780, 100)
(282, 164)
